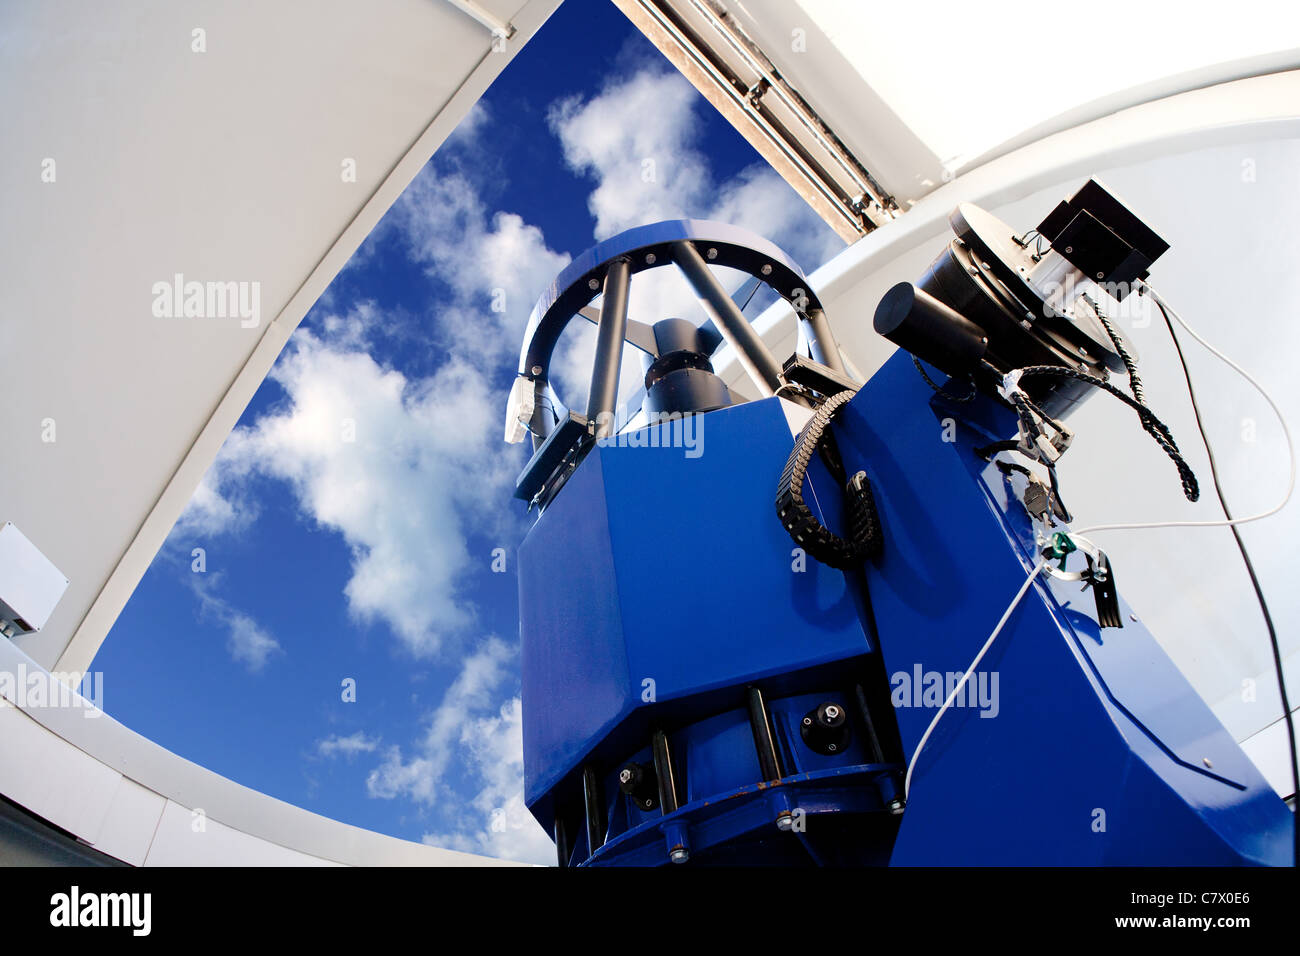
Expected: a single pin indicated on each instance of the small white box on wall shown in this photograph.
(30, 584)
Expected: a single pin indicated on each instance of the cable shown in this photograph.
(939, 389)
(1232, 522)
(1153, 426)
(907, 781)
(860, 518)
(1241, 546)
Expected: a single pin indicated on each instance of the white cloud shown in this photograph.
(406, 470)
(496, 265)
(246, 640)
(337, 745)
(487, 747)
(398, 468)
(499, 823)
(637, 140)
(419, 778)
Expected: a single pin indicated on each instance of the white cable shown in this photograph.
(1290, 445)
(907, 781)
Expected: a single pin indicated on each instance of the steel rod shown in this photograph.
(730, 321)
(595, 810)
(823, 341)
(664, 773)
(769, 761)
(610, 333)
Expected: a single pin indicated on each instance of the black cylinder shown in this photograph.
(918, 322)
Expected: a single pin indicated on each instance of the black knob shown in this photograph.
(825, 729)
(638, 781)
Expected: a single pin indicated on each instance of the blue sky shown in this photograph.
(348, 526)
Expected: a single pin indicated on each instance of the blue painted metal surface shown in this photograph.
(658, 586)
(1100, 751)
(653, 589)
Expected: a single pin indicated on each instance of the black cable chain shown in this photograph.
(865, 535)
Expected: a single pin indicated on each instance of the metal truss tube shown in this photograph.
(824, 345)
(769, 761)
(664, 773)
(594, 808)
(730, 321)
(609, 348)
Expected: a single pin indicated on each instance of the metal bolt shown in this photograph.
(807, 721)
(713, 253)
(830, 746)
(1101, 275)
(784, 822)
(680, 855)
(537, 370)
(649, 258)
(766, 270)
(1069, 249)
(1082, 350)
(625, 776)
(1206, 761)
(896, 806)
(593, 284)
(832, 712)
(1132, 617)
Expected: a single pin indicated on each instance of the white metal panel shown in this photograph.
(30, 584)
(187, 838)
(130, 823)
(69, 788)
(967, 77)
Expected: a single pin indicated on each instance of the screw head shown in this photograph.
(896, 806)
(832, 711)
(680, 855)
(766, 270)
(784, 822)
(649, 258)
(625, 776)
(713, 253)
(593, 284)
